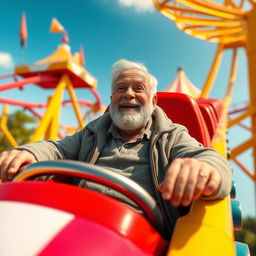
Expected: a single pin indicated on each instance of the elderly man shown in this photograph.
(136, 139)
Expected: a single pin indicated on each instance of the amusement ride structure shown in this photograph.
(232, 27)
(61, 71)
(107, 227)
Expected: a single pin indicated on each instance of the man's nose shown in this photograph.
(129, 93)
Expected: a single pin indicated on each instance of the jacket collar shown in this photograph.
(162, 122)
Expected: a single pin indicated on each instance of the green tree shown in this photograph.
(248, 234)
(21, 127)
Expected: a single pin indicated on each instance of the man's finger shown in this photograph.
(212, 184)
(202, 180)
(167, 186)
(180, 185)
(11, 169)
(190, 187)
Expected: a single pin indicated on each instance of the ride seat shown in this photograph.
(183, 109)
(216, 104)
(211, 110)
(209, 117)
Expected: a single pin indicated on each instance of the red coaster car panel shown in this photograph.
(183, 109)
(91, 206)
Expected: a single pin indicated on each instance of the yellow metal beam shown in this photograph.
(53, 125)
(4, 129)
(179, 18)
(206, 22)
(213, 9)
(251, 57)
(232, 75)
(218, 31)
(206, 7)
(236, 40)
(53, 105)
(219, 139)
(213, 72)
(241, 148)
(48, 130)
(241, 117)
(192, 27)
(246, 171)
(184, 10)
(75, 105)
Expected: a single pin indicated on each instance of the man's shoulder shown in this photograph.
(102, 122)
(162, 121)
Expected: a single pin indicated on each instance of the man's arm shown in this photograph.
(194, 171)
(16, 160)
(187, 179)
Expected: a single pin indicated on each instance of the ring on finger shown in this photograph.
(202, 175)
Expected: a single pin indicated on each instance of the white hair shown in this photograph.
(121, 65)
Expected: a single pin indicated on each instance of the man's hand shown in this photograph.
(187, 179)
(14, 161)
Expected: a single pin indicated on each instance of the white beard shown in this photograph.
(131, 121)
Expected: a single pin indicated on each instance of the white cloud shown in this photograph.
(138, 5)
(6, 60)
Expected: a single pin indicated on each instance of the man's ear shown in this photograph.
(154, 100)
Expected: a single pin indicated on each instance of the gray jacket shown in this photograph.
(169, 141)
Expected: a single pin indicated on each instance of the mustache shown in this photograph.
(132, 101)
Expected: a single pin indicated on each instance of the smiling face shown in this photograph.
(132, 102)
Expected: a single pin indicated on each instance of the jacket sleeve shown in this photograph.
(186, 146)
(67, 148)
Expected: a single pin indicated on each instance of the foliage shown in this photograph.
(248, 234)
(21, 128)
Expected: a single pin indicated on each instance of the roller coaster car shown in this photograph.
(49, 218)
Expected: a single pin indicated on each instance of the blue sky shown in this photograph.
(113, 29)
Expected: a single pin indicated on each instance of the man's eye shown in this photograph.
(139, 89)
(120, 89)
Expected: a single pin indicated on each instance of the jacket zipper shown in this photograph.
(166, 213)
(83, 181)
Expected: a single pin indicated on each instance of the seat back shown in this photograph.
(215, 104)
(183, 109)
(209, 117)
(211, 110)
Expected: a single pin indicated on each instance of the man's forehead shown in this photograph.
(133, 74)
